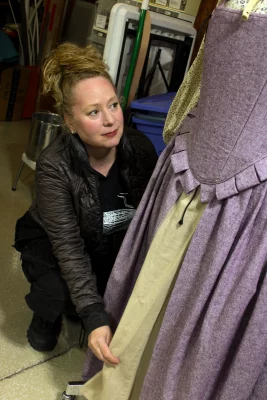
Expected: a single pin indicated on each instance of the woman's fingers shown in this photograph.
(107, 355)
(98, 342)
(97, 353)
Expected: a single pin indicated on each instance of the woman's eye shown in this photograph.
(114, 105)
(93, 113)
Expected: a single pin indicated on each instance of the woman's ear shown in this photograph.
(69, 123)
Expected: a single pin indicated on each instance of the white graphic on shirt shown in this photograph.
(123, 196)
(117, 220)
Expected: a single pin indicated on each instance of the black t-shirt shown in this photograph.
(117, 215)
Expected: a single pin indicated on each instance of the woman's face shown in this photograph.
(97, 115)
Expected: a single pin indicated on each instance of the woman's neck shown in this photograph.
(101, 160)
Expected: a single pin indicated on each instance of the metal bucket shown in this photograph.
(45, 127)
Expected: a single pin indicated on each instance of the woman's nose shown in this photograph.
(108, 118)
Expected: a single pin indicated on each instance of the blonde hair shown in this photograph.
(66, 66)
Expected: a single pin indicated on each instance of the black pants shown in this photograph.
(49, 296)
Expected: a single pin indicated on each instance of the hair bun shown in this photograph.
(68, 64)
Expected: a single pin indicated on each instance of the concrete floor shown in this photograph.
(25, 374)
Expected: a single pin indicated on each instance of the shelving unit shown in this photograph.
(103, 8)
(172, 35)
(168, 11)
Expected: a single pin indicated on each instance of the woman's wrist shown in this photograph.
(94, 316)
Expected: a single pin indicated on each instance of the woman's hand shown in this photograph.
(98, 341)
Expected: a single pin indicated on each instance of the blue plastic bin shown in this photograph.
(153, 131)
(149, 115)
(158, 103)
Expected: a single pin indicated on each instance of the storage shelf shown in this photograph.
(100, 29)
(169, 12)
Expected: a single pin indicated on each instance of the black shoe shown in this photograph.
(43, 335)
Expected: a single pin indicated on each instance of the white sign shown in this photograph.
(161, 2)
(101, 21)
(175, 4)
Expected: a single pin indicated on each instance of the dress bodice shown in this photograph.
(229, 133)
(222, 144)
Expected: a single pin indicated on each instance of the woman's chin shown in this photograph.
(113, 141)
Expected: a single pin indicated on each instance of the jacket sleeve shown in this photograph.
(55, 205)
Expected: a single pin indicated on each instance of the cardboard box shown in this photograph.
(52, 25)
(13, 89)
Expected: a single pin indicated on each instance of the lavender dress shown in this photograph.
(212, 344)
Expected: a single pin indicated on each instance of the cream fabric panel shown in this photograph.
(153, 286)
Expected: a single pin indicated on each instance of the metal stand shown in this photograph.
(66, 396)
(72, 390)
(14, 187)
(27, 161)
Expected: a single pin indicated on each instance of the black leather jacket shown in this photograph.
(67, 204)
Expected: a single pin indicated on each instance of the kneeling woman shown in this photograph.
(88, 185)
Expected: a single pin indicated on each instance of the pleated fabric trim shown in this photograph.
(246, 179)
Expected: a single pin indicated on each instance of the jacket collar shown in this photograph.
(79, 153)
(78, 150)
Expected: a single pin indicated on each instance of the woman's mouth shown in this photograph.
(111, 134)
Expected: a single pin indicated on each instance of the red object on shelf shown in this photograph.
(51, 29)
(31, 95)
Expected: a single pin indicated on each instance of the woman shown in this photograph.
(88, 185)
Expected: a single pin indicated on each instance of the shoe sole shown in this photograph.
(38, 346)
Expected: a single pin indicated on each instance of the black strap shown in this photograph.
(182, 219)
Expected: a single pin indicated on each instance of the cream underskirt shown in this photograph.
(138, 329)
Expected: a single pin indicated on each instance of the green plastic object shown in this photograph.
(134, 58)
